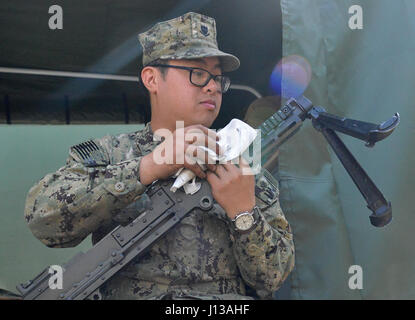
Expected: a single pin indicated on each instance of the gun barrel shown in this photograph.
(86, 272)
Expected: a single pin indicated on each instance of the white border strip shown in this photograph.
(40, 72)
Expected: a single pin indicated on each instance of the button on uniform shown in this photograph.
(119, 187)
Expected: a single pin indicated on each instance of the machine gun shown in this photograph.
(86, 272)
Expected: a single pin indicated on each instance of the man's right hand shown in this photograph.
(179, 150)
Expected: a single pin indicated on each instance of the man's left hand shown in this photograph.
(232, 187)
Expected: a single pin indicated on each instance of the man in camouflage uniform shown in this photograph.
(205, 256)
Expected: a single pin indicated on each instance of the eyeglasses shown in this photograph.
(201, 77)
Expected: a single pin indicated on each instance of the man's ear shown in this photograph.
(150, 77)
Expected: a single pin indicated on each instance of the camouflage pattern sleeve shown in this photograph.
(66, 206)
(265, 256)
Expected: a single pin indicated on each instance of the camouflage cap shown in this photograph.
(189, 36)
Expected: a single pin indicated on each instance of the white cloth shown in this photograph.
(234, 139)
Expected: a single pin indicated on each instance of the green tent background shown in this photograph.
(30, 152)
(364, 74)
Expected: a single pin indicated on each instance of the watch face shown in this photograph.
(244, 222)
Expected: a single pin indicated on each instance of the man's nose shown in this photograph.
(212, 86)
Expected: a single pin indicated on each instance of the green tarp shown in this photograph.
(365, 74)
(28, 153)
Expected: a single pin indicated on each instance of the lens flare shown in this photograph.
(290, 77)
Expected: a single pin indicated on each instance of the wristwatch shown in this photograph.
(245, 221)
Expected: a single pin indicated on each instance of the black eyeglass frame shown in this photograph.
(191, 69)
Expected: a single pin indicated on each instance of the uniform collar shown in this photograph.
(155, 137)
(147, 139)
